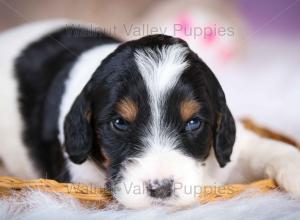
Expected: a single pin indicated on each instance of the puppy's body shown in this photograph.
(44, 77)
(35, 104)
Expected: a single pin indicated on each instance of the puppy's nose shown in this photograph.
(160, 189)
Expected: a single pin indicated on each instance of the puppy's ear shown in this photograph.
(77, 129)
(224, 128)
(224, 136)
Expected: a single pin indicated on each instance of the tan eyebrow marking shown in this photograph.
(188, 109)
(128, 109)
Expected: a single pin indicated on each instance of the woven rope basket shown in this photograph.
(99, 197)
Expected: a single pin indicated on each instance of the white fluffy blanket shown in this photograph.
(38, 205)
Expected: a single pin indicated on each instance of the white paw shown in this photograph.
(286, 172)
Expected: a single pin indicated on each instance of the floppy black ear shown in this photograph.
(224, 136)
(224, 128)
(78, 131)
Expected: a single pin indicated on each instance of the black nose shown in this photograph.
(160, 188)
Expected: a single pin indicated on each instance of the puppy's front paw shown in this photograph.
(286, 172)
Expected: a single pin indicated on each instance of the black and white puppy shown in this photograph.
(147, 118)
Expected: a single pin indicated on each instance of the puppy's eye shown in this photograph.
(120, 124)
(193, 124)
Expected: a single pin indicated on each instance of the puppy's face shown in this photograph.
(150, 115)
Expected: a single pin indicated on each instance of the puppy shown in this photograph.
(146, 118)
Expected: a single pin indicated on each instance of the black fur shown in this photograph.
(41, 71)
(78, 131)
(224, 126)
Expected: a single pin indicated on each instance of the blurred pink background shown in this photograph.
(257, 61)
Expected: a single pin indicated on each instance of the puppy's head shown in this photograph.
(151, 114)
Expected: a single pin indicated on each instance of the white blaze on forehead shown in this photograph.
(160, 69)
